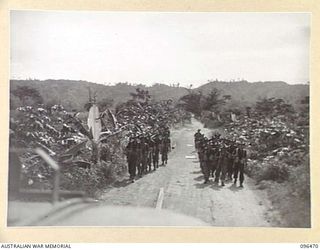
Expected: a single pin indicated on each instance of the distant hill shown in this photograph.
(74, 94)
(246, 93)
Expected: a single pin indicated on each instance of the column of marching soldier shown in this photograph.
(221, 158)
(143, 151)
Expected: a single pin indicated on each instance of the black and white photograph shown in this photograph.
(159, 119)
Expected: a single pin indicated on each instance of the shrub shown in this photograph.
(273, 170)
(91, 179)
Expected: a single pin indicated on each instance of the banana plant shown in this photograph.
(93, 137)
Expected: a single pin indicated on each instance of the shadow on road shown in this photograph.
(126, 182)
(122, 183)
(196, 172)
(201, 185)
(216, 186)
(212, 185)
(199, 178)
(234, 188)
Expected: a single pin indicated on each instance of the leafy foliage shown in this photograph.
(105, 103)
(27, 95)
(279, 156)
(198, 103)
(86, 164)
(213, 101)
(273, 107)
(141, 94)
(191, 102)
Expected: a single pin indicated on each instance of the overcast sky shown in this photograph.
(142, 47)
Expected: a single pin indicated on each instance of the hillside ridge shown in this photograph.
(75, 93)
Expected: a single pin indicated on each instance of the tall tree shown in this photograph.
(27, 95)
(105, 103)
(213, 101)
(273, 106)
(191, 102)
(141, 94)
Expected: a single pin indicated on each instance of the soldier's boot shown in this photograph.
(146, 169)
(241, 178)
(131, 179)
(140, 173)
(212, 173)
(222, 183)
(235, 181)
(241, 183)
(150, 166)
(154, 165)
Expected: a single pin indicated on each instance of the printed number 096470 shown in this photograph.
(308, 245)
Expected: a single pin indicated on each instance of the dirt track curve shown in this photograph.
(184, 191)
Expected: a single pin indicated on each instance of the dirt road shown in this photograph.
(185, 193)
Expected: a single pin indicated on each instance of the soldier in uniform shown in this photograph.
(156, 152)
(211, 158)
(206, 163)
(200, 143)
(131, 158)
(201, 153)
(240, 162)
(230, 156)
(150, 152)
(197, 137)
(223, 164)
(215, 159)
(167, 132)
(165, 148)
(139, 157)
(144, 154)
(217, 162)
(221, 169)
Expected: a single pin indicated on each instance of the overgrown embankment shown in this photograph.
(87, 163)
(276, 133)
(279, 162)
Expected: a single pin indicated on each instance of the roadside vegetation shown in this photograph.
(91, 152)
(276, 135)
